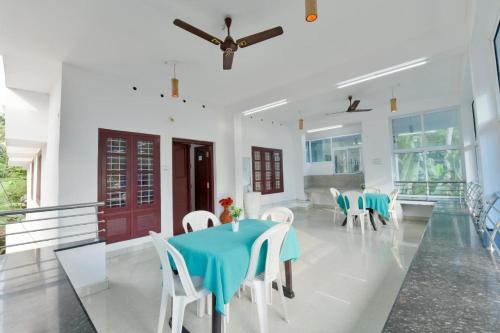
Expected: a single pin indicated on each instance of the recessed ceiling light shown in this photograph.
(324, 128)
(265, 107)
(383, 72)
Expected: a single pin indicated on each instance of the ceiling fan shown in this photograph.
(353, 107)
(229, 46)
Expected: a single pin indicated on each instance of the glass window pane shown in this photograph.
(407, 132)
(340, 161)
(347, 141)
(354, 160)
(321, 150)
(441, 128)
(444, 165)
(411, 166)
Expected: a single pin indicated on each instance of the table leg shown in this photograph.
(287, 288)
(345, 222)
(371, 219)
(216, 317)
(381, 219)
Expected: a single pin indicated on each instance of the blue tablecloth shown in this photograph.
(379, 202)
(222, 256)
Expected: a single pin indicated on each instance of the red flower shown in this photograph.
(226, 201)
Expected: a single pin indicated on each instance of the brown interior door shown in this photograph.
(203, 178)
(181, 183)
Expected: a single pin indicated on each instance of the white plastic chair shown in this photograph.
(261, 283)
(336, 208)
(372, 190)
(181, 289)
(392, 208)
(354, 210)
(198, 220)
(278, 214)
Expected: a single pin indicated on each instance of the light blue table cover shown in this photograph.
(222, 256)
(379, 202)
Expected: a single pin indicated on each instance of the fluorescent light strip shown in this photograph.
(383, 72)
(265, 107)
(323, 129)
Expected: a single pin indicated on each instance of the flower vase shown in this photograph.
(235, 225)
(225, 216)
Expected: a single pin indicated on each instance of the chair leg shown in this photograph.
(334, 216)
(395, 220)
(260, 296)
(200, 307)
(269, 294)
(165, 300)
(226, 313)
(178, 307)
(208, 302)
(282, 297)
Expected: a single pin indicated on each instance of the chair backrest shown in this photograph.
(335, 193)
(274, 238)
(394, 197)
(372, 190)
(164, 249)
(198, 220)
(278, 214)
(353, 198)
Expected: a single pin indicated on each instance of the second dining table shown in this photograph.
(222, 257)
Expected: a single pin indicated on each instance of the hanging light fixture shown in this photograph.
(311, 10)
(301, 124)
(394, 102)
(175, 86)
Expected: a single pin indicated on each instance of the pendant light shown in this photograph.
(394, 102)
(301, 124)
(311, 10)
(175, 86)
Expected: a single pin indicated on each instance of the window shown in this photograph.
(344, 151)
(129, 183)
(428, 154)
(496, 42)
(267, 169)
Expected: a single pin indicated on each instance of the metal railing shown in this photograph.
(74, 212)
(431, 189)
(485, 215)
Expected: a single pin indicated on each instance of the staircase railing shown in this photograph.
(76, 220)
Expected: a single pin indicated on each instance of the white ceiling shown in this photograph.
(132, 38)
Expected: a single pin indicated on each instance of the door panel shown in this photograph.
(181, 184)
(203, 181)
(129, 183)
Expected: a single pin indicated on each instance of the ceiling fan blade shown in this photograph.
(227, 59)
(359, 110)
(259, 37)
(189, 28)
(353, 106)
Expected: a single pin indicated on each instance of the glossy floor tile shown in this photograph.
(344, 282)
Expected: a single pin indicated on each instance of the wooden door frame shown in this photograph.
(212, 169)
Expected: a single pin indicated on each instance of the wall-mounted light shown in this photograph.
(311, 10)
(175, 85)
(265, 107)
(324, 129)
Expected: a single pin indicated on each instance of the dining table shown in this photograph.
(377, 205)
(222, 257)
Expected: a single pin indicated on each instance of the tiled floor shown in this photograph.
(344, 282)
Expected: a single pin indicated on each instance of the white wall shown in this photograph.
(93, 100)
(274, 135)
(486, 91)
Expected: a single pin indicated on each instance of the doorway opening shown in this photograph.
(192, 179)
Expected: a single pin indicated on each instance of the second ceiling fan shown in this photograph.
(229, 46)
(352, 108)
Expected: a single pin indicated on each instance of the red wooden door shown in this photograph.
(181, 184)
(203, 178)
(129, 184)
